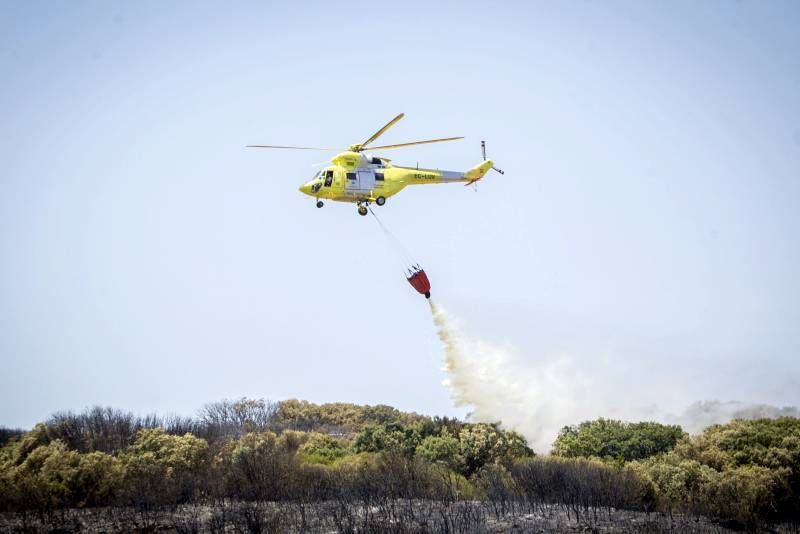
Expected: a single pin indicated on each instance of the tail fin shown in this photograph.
(478, 171)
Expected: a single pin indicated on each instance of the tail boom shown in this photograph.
(431, 176)
(478, 171)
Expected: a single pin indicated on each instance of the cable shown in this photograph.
(400, 247)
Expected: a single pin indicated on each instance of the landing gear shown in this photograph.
(380, 201)
(362, 210)
(319, 204)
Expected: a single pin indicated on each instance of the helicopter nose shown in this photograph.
(305, 188)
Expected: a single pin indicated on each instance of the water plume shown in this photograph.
(538, 399)
(491, 381)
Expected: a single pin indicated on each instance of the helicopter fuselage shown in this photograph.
(359, 178)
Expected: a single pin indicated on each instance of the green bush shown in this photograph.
(322, 449)
(743, 471)
(482, 444)
(51, 476)
(392, 437)
(162, 468)
(616, 440)
(444, 450)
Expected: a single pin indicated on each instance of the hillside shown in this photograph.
(295, 454)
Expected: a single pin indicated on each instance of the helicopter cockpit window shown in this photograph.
(378, 176)
(328, 178)
(377, 161)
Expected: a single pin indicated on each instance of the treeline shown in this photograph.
(746, 471)
(109, 430)
(246, 449)
(352, 467)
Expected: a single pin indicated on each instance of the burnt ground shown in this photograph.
(399, 516)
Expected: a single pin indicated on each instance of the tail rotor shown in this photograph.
(483, 151)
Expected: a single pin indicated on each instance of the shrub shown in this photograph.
(392, 437)
(610, 439)
(52, 476)
(162, 469)
(444, 450)
(481, 444)
(322, 449)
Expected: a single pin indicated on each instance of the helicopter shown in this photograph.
(360, 178)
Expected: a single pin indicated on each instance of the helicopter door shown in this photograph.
(366, 180)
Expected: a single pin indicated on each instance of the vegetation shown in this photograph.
(624, 442)
(7, 433)
(743, 471)
(332, 464)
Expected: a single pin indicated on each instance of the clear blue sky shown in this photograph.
(649, 214)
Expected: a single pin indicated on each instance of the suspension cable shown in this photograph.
(399, 244)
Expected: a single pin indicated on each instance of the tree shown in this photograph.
(496, 485)
(481, 444)
(392, 437)
(617, 440)
(322, 449)
(163, 468)
(743, 471)
(258, 466)
(7, 434)
(230, 419)
(771, 444)
(98, 429)
(678, 483)
(444, 450)
(56, 477)
(744, 442)
(746, 494)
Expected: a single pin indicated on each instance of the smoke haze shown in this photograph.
(538, 400)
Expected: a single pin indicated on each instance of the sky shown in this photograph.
(646, 224)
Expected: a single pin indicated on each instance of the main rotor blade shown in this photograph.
(292, 147)
(413, 143)
(383, 130)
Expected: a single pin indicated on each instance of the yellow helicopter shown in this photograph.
(363, 179)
